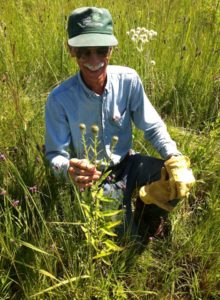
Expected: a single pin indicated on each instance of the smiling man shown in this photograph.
(111, 97)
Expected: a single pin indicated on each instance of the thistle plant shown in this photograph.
(82, 128)
(98, 223)
(95, 131)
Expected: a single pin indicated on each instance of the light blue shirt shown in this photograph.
(122, 102)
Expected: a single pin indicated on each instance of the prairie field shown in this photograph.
(59, 243)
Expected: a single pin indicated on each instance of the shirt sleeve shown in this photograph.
(146, 118)
(57, 136)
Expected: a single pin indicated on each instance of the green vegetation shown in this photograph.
(47, 236)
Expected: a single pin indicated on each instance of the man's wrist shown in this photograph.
(173, 154)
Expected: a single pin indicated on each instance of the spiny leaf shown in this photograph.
(107, 199)
(112, 245)
(84, 229)
(110, 233)
(87, 207)
(110, 213)
(106, 262)
(112, 224)
(102, 254)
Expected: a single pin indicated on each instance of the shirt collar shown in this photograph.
(90, 92)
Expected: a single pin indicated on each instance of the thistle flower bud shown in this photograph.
(82, 127)
(95, 129)
(114, 142)
(114, 139)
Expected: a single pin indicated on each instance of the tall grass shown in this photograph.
(44, 252)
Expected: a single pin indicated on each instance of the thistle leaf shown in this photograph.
(111, 245)
(110, 233)
(110, 213)
(106, 199)
(86, 207)
(106, 262)
(84, 229)
(112, 224)
(102, 254)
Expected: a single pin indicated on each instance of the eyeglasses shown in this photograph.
(85, 52)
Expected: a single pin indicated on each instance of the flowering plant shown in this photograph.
(141, 36)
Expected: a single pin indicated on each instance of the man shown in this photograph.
(110, 97)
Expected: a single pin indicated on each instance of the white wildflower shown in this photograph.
(134, 38)
(152, 62)
(141, 34)
(153, 33)
(144, 38)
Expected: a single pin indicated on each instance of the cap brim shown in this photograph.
(93, 40)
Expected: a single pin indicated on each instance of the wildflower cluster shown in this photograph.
(141, 36)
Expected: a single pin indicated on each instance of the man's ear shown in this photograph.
(110, 52)
(71, 50)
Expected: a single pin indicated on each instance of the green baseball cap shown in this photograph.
(90, 27)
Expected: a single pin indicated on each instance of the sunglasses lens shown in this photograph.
(102, 51)
(84, 52)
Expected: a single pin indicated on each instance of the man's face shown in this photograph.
(92, 61)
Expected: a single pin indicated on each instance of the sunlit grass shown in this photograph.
(43, 251)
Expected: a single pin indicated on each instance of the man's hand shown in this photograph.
(82, 172)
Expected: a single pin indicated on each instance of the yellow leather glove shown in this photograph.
(178, 169)
(159, 192)
(177, 186)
